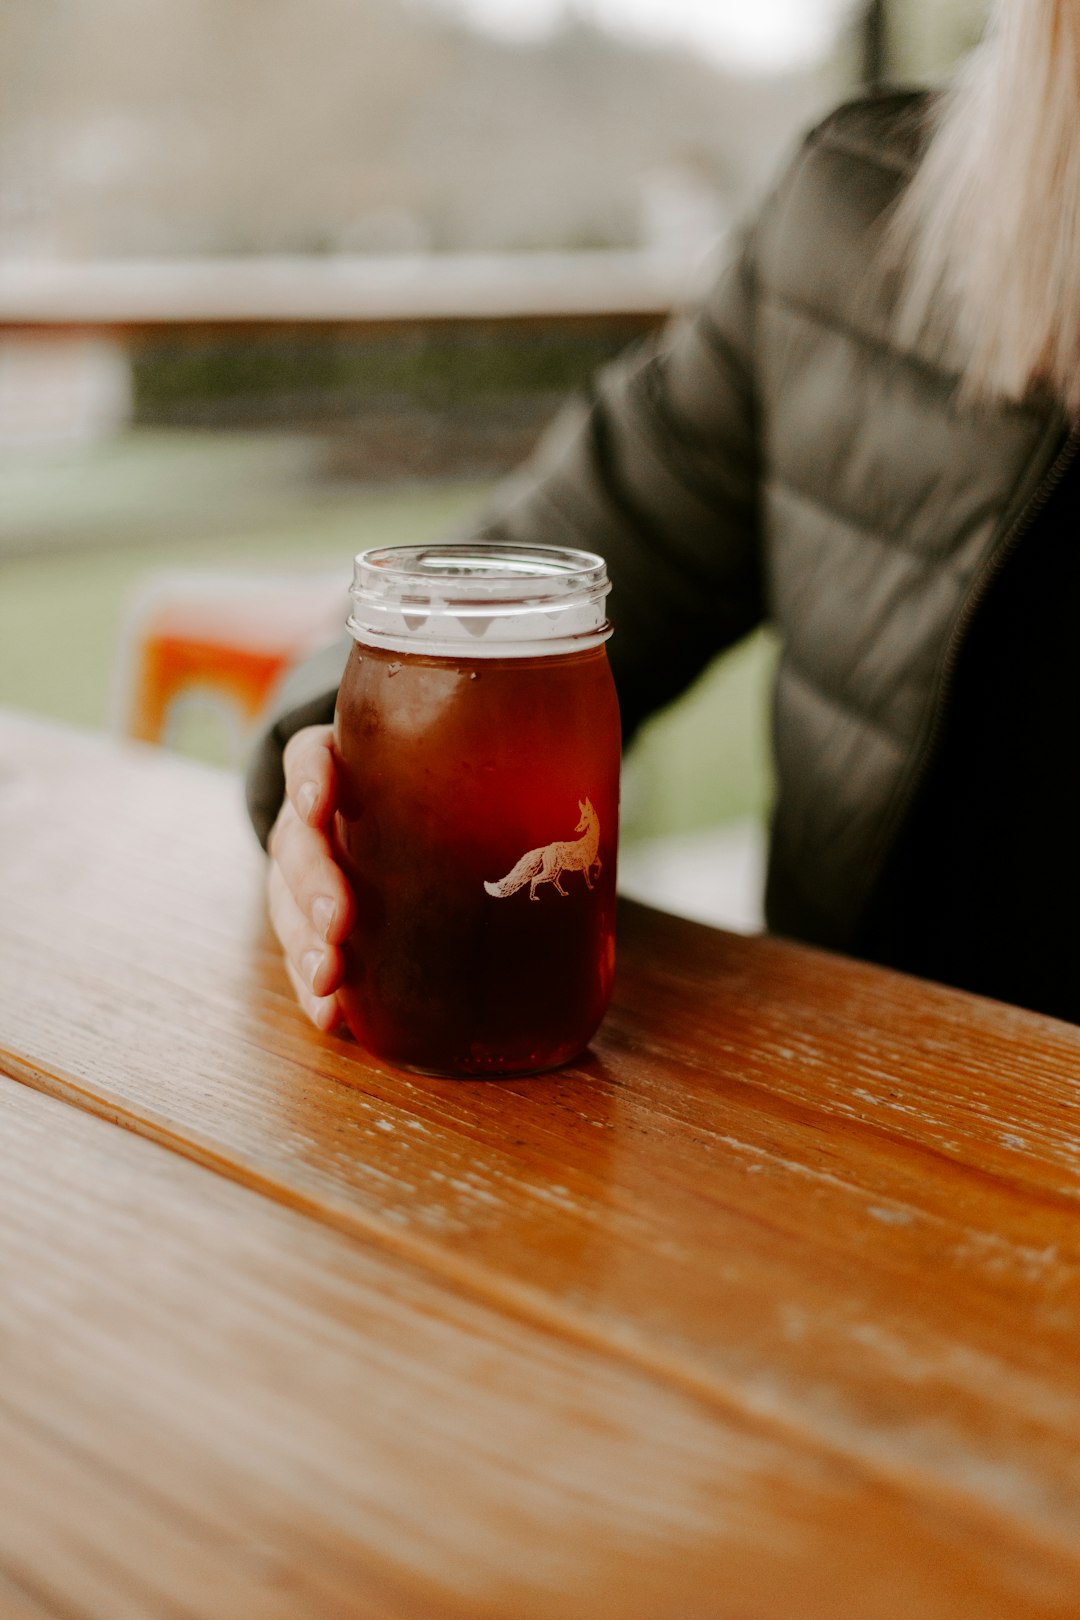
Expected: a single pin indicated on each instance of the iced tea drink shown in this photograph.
(478, 818)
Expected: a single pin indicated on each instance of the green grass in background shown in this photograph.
(61, 612)
(705, 760)
(80, 532)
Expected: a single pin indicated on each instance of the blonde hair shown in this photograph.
(989, 229)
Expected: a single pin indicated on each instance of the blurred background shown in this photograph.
(283, 278)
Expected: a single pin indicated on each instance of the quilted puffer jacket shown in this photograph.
(776, 456)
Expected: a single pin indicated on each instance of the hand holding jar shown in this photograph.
(473, 814)
(310, 904)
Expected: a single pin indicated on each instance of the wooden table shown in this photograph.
(771, 1307)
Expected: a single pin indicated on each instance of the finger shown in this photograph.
(312, 876)
(319, 966)
(324, 1011)
(310, 777)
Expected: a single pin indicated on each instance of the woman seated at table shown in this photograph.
(863, 437)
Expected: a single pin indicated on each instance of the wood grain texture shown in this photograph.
(829, 1203)
(19, 1602)
(212, 1406)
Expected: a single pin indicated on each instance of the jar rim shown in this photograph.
(487, 598)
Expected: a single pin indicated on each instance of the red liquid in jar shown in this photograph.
(452, 772)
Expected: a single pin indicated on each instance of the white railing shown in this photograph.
(343, 290)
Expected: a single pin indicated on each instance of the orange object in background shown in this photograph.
(219, 643)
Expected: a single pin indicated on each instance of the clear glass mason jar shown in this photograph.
(477, 730)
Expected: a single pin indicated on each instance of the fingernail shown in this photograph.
(305, 799)
(323, 912)
(310, 963)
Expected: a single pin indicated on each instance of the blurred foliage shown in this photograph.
(323, 373)
(311, 126)
(318, 126)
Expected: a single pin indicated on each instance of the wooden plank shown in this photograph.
(18, 1602)
(808, 1193)
(212, 1406)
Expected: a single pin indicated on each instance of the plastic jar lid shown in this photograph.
(479, 601)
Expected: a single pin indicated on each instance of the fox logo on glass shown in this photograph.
(547, 864)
